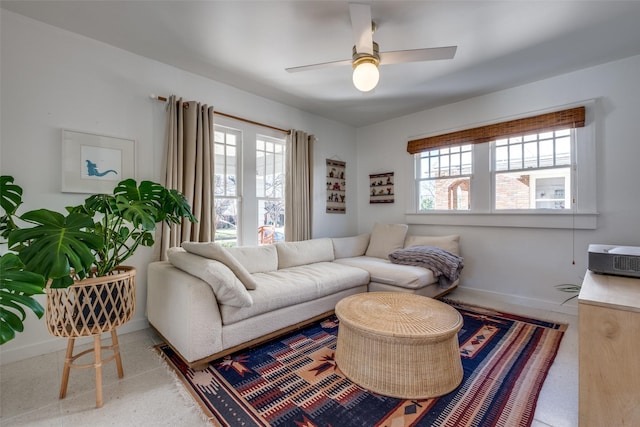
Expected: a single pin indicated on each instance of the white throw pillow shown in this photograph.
(386, 238)
(349, 247)
(292, 254)
(214, 251)
(450, 243)
(226, 286)
(256, 259)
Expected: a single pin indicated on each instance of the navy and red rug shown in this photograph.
(294, 380)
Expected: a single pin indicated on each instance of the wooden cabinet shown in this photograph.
(609, 351)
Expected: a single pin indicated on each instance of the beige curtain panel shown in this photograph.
(189, 169)
(298, 185)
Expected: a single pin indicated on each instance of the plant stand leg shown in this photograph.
(98, 366)
(67, 367)
(116, 350)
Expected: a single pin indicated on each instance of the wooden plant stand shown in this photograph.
(91, 307)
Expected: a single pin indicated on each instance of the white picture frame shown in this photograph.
(94, 164)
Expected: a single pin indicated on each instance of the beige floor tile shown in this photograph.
(29, 384)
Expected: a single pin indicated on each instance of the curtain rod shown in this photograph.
(242, 119)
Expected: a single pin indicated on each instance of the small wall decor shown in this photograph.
(94, 163)
(381, 188)
(336, 187)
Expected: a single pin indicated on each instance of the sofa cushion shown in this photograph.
(292, 254)
(214, 251)
(346, 247)
(383, 271)
(226, 286)
(256, 259)
(385, 238)
(295, 285)
(450, 243)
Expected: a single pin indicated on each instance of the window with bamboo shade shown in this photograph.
(532, 167)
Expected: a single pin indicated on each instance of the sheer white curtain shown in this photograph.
(189, 169)
(298, 186)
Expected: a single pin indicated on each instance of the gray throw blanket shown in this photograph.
(445, 265)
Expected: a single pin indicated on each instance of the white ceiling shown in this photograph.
(248, 44)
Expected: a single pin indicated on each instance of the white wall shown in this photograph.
(52, 79)
(524, 264)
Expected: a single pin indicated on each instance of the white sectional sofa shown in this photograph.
(208, 301)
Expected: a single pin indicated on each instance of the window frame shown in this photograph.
(239, 177)
(283, 143)
(583, 215)
(248, 232)
(419, 180)
(572, 166)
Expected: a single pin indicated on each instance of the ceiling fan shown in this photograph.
(366, 55)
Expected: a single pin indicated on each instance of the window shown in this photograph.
(227, 147)
(534, 171)
(443, 178)
(270, 177)
(249, 183)
(537, 171)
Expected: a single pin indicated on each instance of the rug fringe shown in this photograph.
(182, 389)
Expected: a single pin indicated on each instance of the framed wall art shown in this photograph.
(93, 163)
(336, 187)
(381, 188)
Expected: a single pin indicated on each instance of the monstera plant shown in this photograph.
(93, 238)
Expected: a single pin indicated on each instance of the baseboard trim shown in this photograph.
(55, 344)
(569, 308)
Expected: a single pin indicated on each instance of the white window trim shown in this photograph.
(583, 216)
(247, 191)
(228, 127)
(281, 141)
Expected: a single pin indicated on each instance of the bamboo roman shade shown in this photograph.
(571, 118)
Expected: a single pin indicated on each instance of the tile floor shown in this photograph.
(148, 395)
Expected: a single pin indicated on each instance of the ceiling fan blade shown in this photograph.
(417, 55)
(361, 26)
(318, 66)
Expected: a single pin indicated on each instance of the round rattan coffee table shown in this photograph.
(398, 344)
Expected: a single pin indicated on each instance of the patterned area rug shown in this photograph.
(294, 380)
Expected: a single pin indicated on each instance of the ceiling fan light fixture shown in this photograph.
(366, 74)
(365, 69)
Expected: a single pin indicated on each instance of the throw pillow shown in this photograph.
(217, 252)
(450, 243)
(385, 238)
(226, 286)
(292, 254)
(256, 259)
(348, 247)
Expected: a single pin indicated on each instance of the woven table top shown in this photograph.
(398, 314)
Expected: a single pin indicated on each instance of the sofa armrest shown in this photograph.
(184, 310)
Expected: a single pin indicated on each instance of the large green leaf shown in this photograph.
(102, 203)
(140, 213)
(17, 288)
(148, 191)
(10, 200)
(149, 203)
(10, 194)
(57, 244)
(176, 207)
(141, 205)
